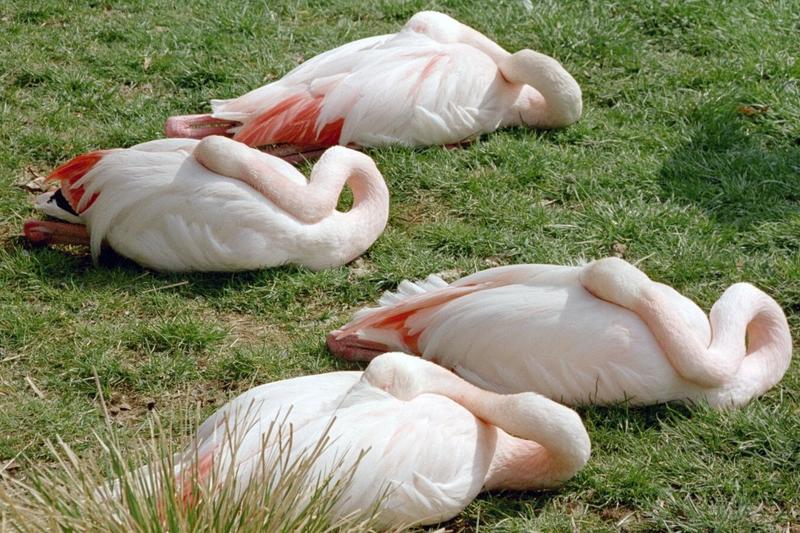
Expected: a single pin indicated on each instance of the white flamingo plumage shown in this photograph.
(436, 81)
(215, 205)
(599, 333)
(431, 441)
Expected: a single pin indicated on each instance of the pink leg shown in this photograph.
(301, 157)
(43, 232)
(197, 126)
(295, 154)
(289, 150)
(351, 348)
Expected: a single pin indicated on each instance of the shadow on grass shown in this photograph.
(280, 292)
(733, 169)
(75, 264)
(634, 417)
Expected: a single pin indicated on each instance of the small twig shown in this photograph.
(130, 283)
(11, 461)
(35, 174)
(140, 276)
(34, 387)
(625, 519)
(184, 282)
(641, 259)
(11, 358)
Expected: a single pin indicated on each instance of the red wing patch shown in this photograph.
(191, 482)
(73, 170)
(396, 316)
(398, 323)
(292, 121)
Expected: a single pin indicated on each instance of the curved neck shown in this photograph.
(445, 29)
(551, 443)
(725, 362)
(367, 218)
(557, 99)
(741, 310)
(750, 331)
(555, 446)
(308, 202)
(337, 166)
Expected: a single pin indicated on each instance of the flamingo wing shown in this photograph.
(157, 205)
(406, 89)
(405, 312)
(237, 431)
(426, 457)
(487, 326)
(416, 92)
(331, 63)
(287, 110)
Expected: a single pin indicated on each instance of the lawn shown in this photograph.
(686, 161)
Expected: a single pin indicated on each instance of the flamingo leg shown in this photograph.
(461, 144)
(295, 154)
(351, 348)
(197, 126)
(42, 232)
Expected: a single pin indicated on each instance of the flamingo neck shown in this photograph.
(546, 442)
(445, 29)
(518, 464)
(308, 202)
(726, 370)
(367, 218)
(551, 443)
(750, 328)
(555, 100)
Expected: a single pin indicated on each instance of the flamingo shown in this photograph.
(599, 333)
(436, 81)
(214, 205)
(414, 431)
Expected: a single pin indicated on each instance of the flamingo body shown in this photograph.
(436, 81)
(606, 358)
(426, 439)
(539, 328)
(429, 454)
(157, 204)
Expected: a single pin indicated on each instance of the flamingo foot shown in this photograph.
(197, 126)
(351, 348)
(460, 144)
(42, 232)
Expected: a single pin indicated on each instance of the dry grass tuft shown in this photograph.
(285, 493)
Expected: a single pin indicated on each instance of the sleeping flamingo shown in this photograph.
(431, 441)
(214, 205)
(599, 333)
(436, 81)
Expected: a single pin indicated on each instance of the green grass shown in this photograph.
(664, 168)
